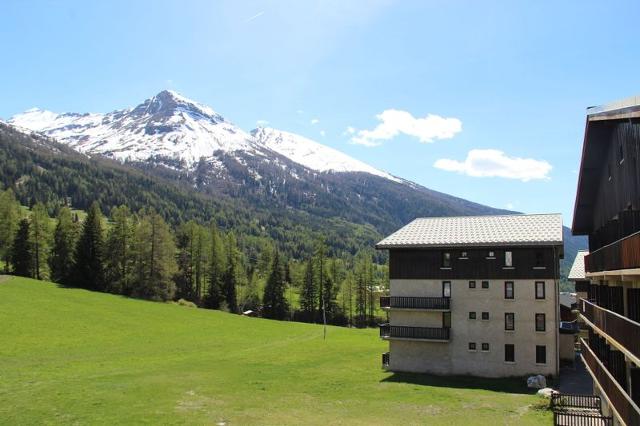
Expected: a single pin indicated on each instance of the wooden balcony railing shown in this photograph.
(621, 402)
(622, 254)
(401, 302)
(423, 333)
(619, 328)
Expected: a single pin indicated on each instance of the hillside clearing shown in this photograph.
(73, 356)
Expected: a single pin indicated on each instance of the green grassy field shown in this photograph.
(70, 356)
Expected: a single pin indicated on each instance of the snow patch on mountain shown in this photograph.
(312, 154)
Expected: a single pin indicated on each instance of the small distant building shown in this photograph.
(474, 296)
(578, 275)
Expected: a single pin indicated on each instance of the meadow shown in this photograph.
(71, 356)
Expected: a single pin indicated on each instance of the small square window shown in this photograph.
(446, 259)
(485, 347)
(508, 258)
(509, 321)
(472, 284)
(541, 354)
(540, 322)
(472, 346)
(463, 254)
(485, 284)
(508, 290)
(540, 290)
(446, 288)
(485, 316)
(472, 315)
(509, 353)
(491, 253)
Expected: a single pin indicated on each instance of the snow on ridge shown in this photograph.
(312, 154)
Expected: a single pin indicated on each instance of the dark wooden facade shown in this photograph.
(528, 263)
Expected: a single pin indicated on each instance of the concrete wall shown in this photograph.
(567, 347)
(454, 357)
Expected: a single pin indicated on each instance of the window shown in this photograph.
(539, 289)
(446, 320)
(446, 288)
(540, 322)
(446, 259)
(485, 284)
(509, 321)
(463, 255)
(485, 316)
(539, 259)
(509, 353)
(472, 315)
(508, 258)
(508, 290)
(472, 346)
(472, 284)
(491, 254)
(485, 347)
(541, 354)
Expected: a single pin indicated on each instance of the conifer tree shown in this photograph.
(88, 266)
(118, 263)
(9, 220)
(22, 253)
(40, 235)
(216, 269)
(275, 305)
(62, 251)
(185, 277)
(229, 279)
(308, 296)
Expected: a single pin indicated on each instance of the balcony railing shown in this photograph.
(621, 402)
(622, 254)
(401, 302)
(560, 401)
(561, 418)
(423, 333)
(619, 328)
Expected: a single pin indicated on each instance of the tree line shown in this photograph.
(137, 254)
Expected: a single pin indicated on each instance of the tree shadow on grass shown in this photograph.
(517, 385)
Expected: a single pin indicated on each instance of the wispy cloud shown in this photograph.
(495, 163)
(261, 123)
(323, 133)
(314, 121)
(349, 131)
(256, 16)
(395, 122)
(510, 206)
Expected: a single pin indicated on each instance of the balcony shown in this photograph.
(417, 303)
(578, 410)
(622, 254)
(435, 334)
(622, 404)
(622, 332)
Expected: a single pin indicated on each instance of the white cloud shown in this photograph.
(262, 123)
(323, 133)
(394, 122)
(314, 121)
(495, 163)
(256, 16)
(349, 131)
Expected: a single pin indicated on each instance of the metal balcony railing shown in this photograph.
(403, 302)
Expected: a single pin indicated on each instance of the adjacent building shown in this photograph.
(607, 209)
(474, 295)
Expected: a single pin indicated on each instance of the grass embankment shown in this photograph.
(70, 356)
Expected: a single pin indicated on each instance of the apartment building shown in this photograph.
(474, 295)
(607, 209)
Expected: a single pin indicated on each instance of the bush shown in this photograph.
(186, 303)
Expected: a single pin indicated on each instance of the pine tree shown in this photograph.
(216, 269)
(9, 220)
(89, 267)
(229, 279)
(154, 256)
(308, 296)
(185, 279)
(62, 252)
(40, 235)
(274, 302)
(118, 264)
(22, 252)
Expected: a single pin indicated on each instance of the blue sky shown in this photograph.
(404, 85)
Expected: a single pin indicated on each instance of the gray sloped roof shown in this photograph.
(503, 230)
(577, 271)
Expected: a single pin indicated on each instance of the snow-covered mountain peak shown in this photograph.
(312, 154)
